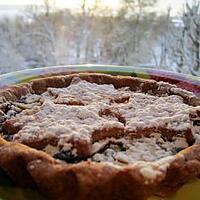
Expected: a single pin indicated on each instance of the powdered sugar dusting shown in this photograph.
(130, 150)
(97, 120)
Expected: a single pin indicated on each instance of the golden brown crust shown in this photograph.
(88, 180)
(185, 167)
(14, 159)
(39, 86)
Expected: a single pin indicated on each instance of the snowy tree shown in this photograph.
(11, 58)
(132, 35)
(184, 43)
(191, 20)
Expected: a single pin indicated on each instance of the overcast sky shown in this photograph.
(162, 6)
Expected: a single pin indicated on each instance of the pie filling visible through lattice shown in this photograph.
(102, 123)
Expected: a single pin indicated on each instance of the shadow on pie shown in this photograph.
(9, 191)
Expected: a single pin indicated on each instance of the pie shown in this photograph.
(96, 136)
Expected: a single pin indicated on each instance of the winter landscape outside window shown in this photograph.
(162, 34)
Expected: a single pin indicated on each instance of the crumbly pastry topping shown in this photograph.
(87, 121)
(128, 151)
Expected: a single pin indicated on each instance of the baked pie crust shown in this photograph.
(95, 136)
